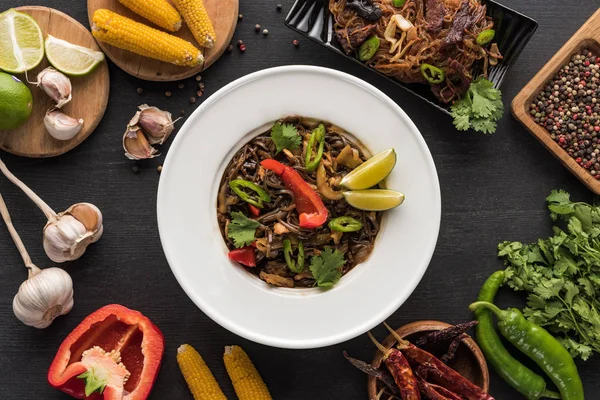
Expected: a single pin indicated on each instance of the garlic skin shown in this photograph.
(67, 236)
(60, 126)
(43, 297)
(156, 123)
(56, 85)
(136, 145)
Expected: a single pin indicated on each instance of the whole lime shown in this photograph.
(16, 102)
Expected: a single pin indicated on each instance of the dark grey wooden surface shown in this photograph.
(493, 189)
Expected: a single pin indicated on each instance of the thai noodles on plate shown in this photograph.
(265, 200)
(437, 42)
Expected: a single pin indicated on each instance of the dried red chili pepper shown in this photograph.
(436, 392)
(401, 371)
(114, 351)
(378, 373)
(445, 334)
(446, 376)
(311, 209)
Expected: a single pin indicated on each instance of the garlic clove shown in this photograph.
(43, 297)
(60, 126)
(136, 145)
(56, 85)
(67, 236)
(156, 123)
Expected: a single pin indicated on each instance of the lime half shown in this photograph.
(21, 42)
(371, 172)
(70, 58)
(374, 199)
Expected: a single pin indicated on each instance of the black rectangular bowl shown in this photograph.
(312, 19)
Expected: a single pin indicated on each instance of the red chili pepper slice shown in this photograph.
(311, 209)
(244, 256)
(255, 211)
(107, 346)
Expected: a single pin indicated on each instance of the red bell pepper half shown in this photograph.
(245, 256)
(113, 354)
(311, 209)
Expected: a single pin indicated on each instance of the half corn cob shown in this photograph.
(246, 381)
(197, 375)
(127, 34)
(159, 12)
(196, 17)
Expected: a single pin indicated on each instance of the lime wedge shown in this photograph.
(70, 58)
(371, 172)
(21, 42)
(374, 199)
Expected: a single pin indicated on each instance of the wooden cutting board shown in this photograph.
(90, 93)
(223, 14)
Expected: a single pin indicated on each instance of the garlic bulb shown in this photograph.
(68, 234)
(60, 126)
(56, 85)
(156, 123)
(136, 145)
(46, 294)
(43, 297)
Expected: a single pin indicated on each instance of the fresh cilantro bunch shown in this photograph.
(285, 136)
(479, 108)
(241, 229)
(561, 275)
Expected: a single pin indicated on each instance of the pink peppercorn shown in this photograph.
(597, 128)
(578, 160)
(597, 177)
(242, 48)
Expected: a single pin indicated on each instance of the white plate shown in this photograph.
(237, 300)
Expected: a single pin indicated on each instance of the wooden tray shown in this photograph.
(90, 93)
(588, 36)
(223, 14)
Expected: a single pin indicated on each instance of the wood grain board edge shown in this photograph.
(587, 36)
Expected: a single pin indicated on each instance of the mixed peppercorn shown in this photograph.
(569, 108)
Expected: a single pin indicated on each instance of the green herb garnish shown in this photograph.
(561, 275)
(326, 268)
(480, 108)
(285, 136)
(241, 229)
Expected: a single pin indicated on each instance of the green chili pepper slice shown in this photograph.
(485, 37)
(237, 186)
(317, 135)
(367, 50)
(432, 73)
(345, 224)
(294, 266)
(399, 3)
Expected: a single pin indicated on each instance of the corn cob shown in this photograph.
(197, 19)
(159, 12)
(196, 373)
(127, 34)
(246, 381)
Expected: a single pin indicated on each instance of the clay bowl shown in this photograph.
(469, 360)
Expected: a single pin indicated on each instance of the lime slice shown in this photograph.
(374, 199)
(70, 58)
(371, 172)
(21, 42)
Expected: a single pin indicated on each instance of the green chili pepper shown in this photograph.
(345, 224)
(432, 73)
(317, 135)
(368, 49)
(399, 3)
(294, 266)
(539, 345)
(517, 375)
(237, 186)
(485, 37)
